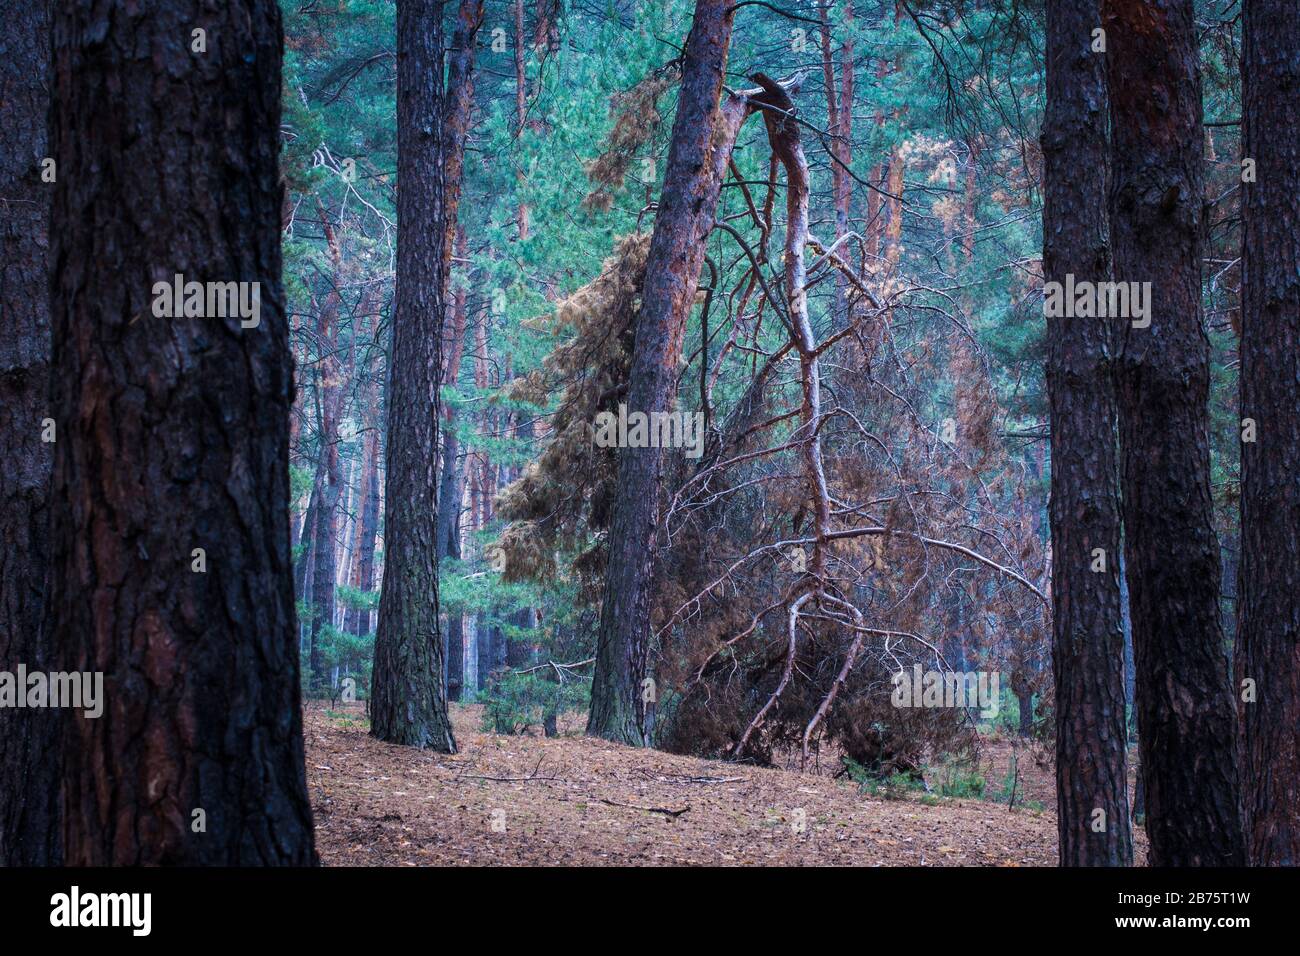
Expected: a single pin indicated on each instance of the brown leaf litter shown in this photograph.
(573, 800)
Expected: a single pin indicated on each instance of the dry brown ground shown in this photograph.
(573, 800)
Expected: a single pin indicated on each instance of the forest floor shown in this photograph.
(572, 800)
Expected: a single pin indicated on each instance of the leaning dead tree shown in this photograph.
(819, 600)
(828, 516)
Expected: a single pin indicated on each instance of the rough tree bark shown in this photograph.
(29, 754)
(1269, 578)
(1186, 714)
(408, 699)
(1087, 639)
(687, 206)
(173, 435)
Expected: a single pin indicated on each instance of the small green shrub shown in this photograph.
(962, 779)
(516, 702)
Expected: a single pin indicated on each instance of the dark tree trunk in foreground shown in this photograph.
(1269, 588)
(173, 435)
(29, 754)
(408, 699)
(685, 217)
(1087, 637)
(1186, 716)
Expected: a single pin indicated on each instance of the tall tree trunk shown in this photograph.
(368, 489)
(1269, 582)
(460, 106)
(844, 196)
(546, 33)
(519, 649)
(348, 524)
(483, 491)
(451, 487)
(302, 570)
(692, 182)
(450, 490)
(1087, 639)
(833, 114)
(473, 674)
(492, 641)
(1186, 714)
(839, 110)
(367, 526)
(29, 752)
(521, 105)
(484, 652)
(876, 209)
(970, 198)
(329, 481)
(894, 181)
(893, 228)
(174, 435)
(453, 342)
(409, 703)
(296, 415)
(839, 115)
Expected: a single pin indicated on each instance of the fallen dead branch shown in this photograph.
(531, 776)
(666, 811)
